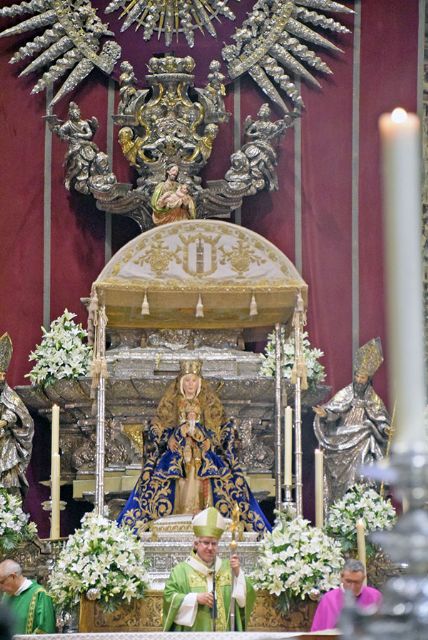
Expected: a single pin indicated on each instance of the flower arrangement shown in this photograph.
(297, 560)
(315, 370)
(360, 502)
(101, 561)
(14, 523)
(62, 352)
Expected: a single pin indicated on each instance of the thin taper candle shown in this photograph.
(55, 429)
(288, 447)
(319, 489)
(361, 541)
(55, 496)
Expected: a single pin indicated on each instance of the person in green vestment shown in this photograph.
(31, 607)
(189, 600)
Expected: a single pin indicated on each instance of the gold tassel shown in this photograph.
(300, 371)
(95, 375)
(253, 306)
(199, 313)
(103, 369)
(92, 316)
(145, 308)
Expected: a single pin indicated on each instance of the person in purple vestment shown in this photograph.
(331, 604)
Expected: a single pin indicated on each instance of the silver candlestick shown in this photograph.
(404, 609)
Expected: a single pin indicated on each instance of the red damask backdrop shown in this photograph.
(341, 213)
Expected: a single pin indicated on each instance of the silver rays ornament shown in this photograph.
(69, 44)
(171, 16)
(269, 46)
(273, 44)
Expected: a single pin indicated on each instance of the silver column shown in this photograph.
(278, 421)
(299, 367)
(100, 443)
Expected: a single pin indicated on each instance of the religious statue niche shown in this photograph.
(193, 460)
(167, 133)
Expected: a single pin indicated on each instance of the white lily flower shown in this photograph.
(295, 558)
(101, 556)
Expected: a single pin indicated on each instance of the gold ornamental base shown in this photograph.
(146, 615)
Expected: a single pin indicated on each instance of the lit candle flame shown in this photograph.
(399, 115)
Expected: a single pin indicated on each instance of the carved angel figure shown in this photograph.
(263, 128)
(128, 90)
(78, 133)
(101, 178)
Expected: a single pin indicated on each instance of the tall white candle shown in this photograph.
(361, 541)
(55, 496)
(401, 151)
(55, 429)
(288, 447)
(319, 488)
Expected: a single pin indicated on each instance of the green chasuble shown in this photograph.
(32, 610)
(186, 579)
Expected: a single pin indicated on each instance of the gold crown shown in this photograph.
(368, 358)
(190, 366)
(6, 350)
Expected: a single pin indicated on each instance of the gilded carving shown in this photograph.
(146, 615)
(117, 453)
(167, 134)
(138, 615)
(241, 257)
(135, 433)
(158, 256)
(266, 616)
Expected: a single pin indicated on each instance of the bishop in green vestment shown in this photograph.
(188, 593)
(30, 606)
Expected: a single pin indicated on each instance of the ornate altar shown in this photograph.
(146, 615)
(166, 544)
(208, 277)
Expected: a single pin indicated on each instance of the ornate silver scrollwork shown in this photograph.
(170, 125)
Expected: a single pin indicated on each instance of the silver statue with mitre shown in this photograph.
(354, 426)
